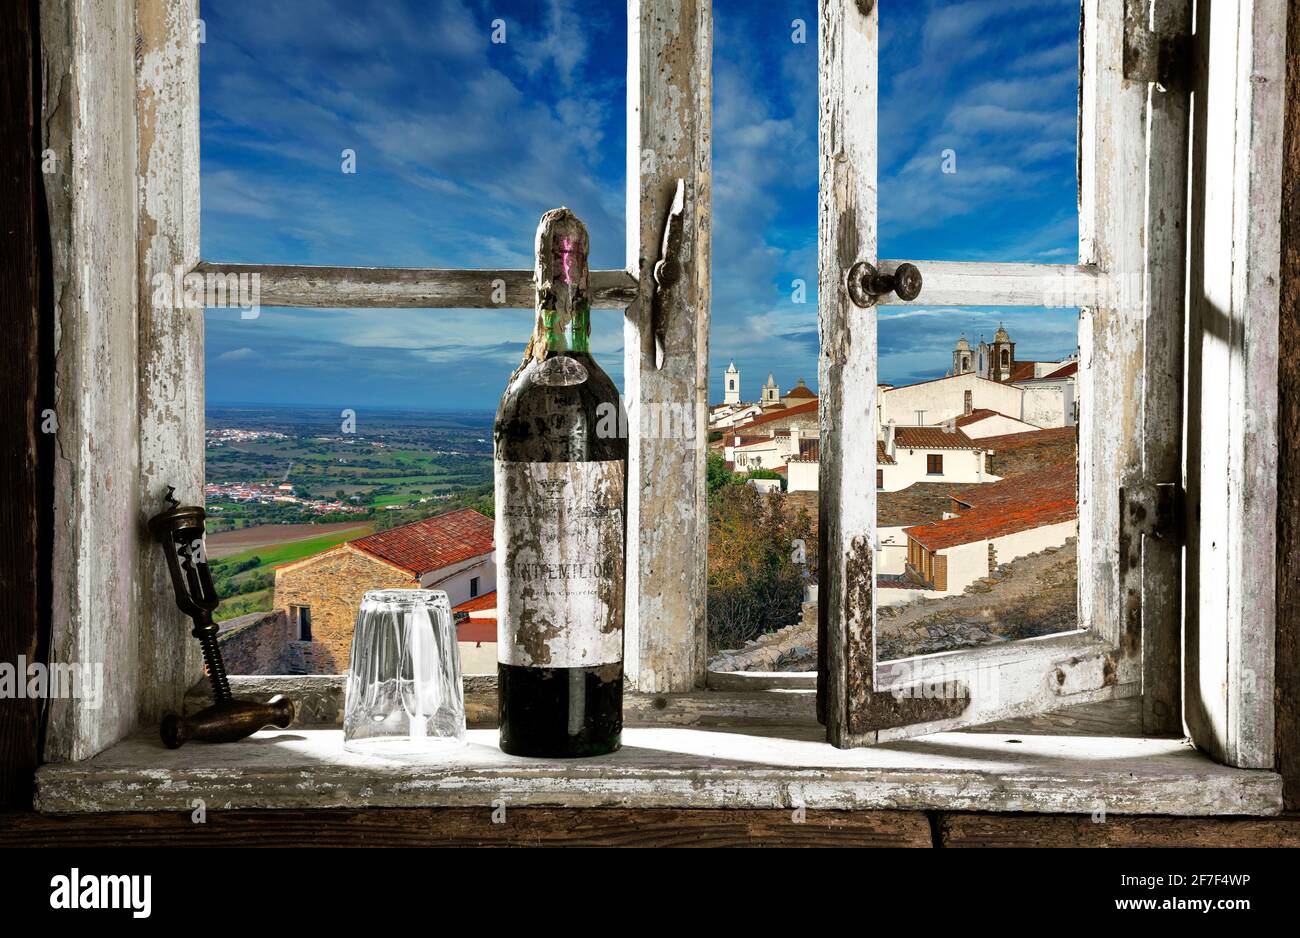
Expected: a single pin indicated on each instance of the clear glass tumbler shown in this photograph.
(404, 692)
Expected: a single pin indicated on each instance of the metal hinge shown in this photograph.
(1153, 510)
(1162, 55)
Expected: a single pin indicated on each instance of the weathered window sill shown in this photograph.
(673, 767)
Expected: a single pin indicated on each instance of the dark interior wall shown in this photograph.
(1288, 430)
(24, 475)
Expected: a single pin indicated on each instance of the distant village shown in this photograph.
(970, 466)
(975, 469)
(275, 493)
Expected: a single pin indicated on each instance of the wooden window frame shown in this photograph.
(130, 376)
(931, 461)
(1130, 283)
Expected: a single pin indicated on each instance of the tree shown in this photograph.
(717, 474)
(755, 582)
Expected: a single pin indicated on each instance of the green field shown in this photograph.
(274, 554)
(239, 571)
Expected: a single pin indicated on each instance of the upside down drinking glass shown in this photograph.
(404, 693)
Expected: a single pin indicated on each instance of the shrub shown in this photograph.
(755, 586)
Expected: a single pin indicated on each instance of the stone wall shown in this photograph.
(256, 643)
(332, 584)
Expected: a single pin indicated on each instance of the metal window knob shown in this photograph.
(866, 284)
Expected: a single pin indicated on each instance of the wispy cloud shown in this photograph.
(461, 143)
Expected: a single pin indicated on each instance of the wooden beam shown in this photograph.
(962, 283)
(171, 364)
(24, 453)
(475, 827)
(409, 287)
(1287, 733)
(1112, 219)
(1108, 830)
(669, 94)
(1233, 365)
(1159, 577)
(89, 127)
(846, 233)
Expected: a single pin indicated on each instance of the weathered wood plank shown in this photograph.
(673, 767)
(1107, 830)
(1112, 219)
(24, 450)
(846, 233)
(170, 337)
(408, 287)
(1287, 654)
(474, 827)
(669, 94)
(964, 283)
(1164, 282)
(1232, 445)
(1122, 717)
(89, 124)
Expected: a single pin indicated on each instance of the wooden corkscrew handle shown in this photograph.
(227, 722)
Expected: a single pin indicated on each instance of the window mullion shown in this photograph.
(669, 110)
(407, 287)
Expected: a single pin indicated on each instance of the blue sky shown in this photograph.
(462, 143)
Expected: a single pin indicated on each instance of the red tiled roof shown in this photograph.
(1000, 508)
(478, 630)
(808, 408)
(1022, 371)
(978, 414)
(1064, 371)
(433, 543)
(882, 456)
(1008, 441)
(802, 391)
(933, 438)
(754, 440)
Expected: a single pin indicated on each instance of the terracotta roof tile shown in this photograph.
(798, 409)
(916, 504)
(882, 456)
(1022, 371)
(978, 414)
(1065, 371)
(996, 509)
(933, 438)
(478, 630)
(433, 543)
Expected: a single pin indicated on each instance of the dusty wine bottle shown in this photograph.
(561, 464)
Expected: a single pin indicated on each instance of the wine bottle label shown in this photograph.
(559, 538)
